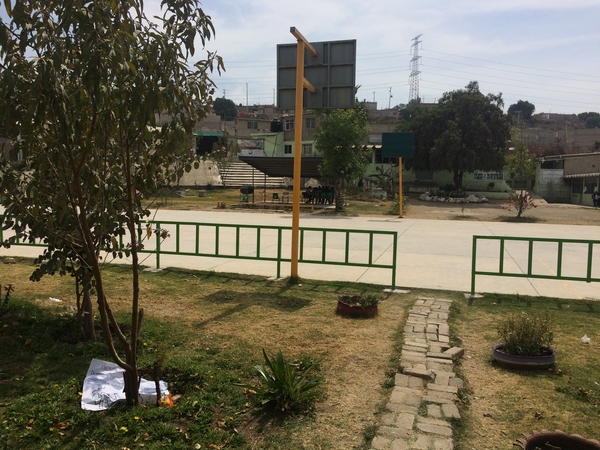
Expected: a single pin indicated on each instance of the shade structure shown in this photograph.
(277, 166)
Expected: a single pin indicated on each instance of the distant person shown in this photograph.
(596, 198)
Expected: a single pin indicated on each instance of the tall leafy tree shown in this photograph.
(467, 131)
(225, 108)
(338, 137)
(523, 107)
(81, 85)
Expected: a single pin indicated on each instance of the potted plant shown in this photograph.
(357, 305)
(555, 439)
(526, 340)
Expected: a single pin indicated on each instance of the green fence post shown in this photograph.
(394, 259)
(279, 231)
(157, 245)
(473, 265)
(589, 268)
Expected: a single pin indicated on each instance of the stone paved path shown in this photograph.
(424, 398)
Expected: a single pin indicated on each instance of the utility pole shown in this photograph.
(390, 100)
(301, 83)
(414, 70)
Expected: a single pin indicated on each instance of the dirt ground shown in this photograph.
(494, 210)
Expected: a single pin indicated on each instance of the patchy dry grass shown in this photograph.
(506, 403)
(212, 328)
(215, 325)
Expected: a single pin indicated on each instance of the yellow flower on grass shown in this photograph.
(5, 325)
(136, 418)
(123, 428)
(80, 393)
(51, 428)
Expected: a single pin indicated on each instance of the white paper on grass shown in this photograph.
(103, 385)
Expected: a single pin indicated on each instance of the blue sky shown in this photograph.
(543, 51)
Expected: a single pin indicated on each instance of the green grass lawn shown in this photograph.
(210, 328)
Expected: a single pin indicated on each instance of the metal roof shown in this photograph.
(278, 166)
(582, 175)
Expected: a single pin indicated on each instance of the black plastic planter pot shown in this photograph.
(552, 440)
(356, 310)
(523, 362)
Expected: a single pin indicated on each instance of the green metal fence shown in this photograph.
(267, 243)
(558, 270)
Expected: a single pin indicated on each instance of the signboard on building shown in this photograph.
(481, 175)
(332, 72)
(551, 176)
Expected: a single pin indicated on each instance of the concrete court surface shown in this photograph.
(432, 254)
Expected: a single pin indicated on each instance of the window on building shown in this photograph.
(380, 159)
(307, 149)
(288, 124)
(287, 149)
(252, 125)
(424, 174)
(310, 123)
(590, 187)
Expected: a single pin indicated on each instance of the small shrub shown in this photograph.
(525, 335)
(285, 387)
(359, 300)
(521, 202)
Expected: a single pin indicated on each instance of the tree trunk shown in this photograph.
(340, 196)
(88, 315)
(457, 178)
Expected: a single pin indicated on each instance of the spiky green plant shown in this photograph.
(284, 386)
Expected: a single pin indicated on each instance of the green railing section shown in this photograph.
(558, 272)
(266, 243)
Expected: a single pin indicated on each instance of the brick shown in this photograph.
(442, 388)
(443, 444)
(432, 337)
(436, 399)
(432, 329)
(412, 348)
(435, 348)
(450, 410)
(434, 411)
(405, 421)
(442, 378)
(444, 329)
(415, 382)
(401, 380)
(455, 352)
(416, 344)
(393, 432)
(457, 382)
(443, 338)
(388, 419)
(423, 442)
(434, 366)
(421, 373)
(434, 429)
(439, 355)
(400, 444)
(381, 443)
(439, 360)
(401, 407)
(406, 396)
(407, 381)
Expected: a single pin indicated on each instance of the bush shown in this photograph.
(526, 335)
(286, 387)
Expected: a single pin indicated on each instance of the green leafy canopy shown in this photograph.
(98, 101)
